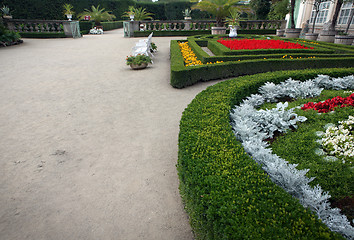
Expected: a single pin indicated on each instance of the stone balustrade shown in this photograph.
(24, 25)
(182, 25)
(69, 28)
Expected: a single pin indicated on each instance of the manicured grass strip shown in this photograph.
(226, 194)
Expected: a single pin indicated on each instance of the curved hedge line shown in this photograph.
(226, 194)
(251, 63)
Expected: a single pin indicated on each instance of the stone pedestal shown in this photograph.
(344, 39)
(327, 36)
(218, 30)
(72, 29)
(311, 36)
(187, 24)
(292, 32)
(280, 32)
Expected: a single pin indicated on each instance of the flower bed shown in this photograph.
(330, 104)
(252, 127)
(252, 44)
(226, 193)
(190, 59)
(338, 141)
(248, 62)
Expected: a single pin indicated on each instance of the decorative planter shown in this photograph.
(7, 17)
(218, 30)
(292, 32)
(137, 67)
(280, 32)
(233, 32)
(311, 36)
(344, 39)
(187, 18)
(69, 16)
(327, 36)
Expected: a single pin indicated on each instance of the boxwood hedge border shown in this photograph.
(181, 76)
(226, 194)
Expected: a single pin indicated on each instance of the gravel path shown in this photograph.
(88, 147)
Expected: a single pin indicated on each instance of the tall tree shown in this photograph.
(219, 8)
(261, 8)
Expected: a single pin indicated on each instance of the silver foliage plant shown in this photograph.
(310, 88)
(252, 127)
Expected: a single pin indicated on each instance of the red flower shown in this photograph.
(251, 44)
(330, 104)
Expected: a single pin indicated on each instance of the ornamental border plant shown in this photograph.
(138, 60)
(338, 141)
(252, 127)
(226, 194)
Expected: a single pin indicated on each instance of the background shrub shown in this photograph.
(53, 9)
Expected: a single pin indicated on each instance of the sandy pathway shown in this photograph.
(88, 147)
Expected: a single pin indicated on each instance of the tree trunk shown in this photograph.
(336, 13)
(292, 11)
(219, 22)
(314, 22)
(349, 20)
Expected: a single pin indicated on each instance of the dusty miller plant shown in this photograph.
(252, 127)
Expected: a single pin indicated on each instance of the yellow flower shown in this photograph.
(190, 59)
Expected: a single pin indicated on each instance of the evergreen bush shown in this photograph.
(251, 61)
(226, 194)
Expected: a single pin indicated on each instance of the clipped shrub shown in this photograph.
(251, 61)
(112, 25)
(42, 35)
(226, 194)
(86, 25)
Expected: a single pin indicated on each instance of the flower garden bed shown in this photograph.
(246, 62)
(332, 169)
(255, 44)
(228, 195)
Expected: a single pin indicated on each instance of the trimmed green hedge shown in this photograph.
(226, 194)
(85, 26)
(42, 35)
(112, 25)
(257, 62)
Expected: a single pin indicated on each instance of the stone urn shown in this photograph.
(327, 36)
(138, 67)
(311, 36)
(280, 32)
(7, 17)
(69, 16)
(344, 39)
(218, 30)
(292, 32)
(233, 31)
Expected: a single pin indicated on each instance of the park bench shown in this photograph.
(143, 46)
